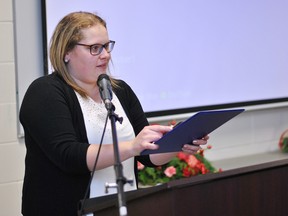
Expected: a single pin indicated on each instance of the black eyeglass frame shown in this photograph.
(110, 44)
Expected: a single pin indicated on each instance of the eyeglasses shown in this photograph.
(96, 49)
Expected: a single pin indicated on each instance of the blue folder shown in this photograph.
(195, 127)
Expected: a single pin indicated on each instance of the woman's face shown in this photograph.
(84, 67)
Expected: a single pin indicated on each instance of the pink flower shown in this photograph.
(170, 171)
(140, 166)
(192, 161)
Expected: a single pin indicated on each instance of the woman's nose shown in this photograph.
(104, 54)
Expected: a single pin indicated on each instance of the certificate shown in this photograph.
(195, 127)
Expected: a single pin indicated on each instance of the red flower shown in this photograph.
(170, 171)
(186, 172)
(173, 122)
(182, 156)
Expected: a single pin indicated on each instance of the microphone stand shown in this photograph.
(120, 179)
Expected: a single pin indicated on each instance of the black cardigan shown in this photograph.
(56, 172)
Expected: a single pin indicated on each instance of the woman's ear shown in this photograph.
(67, 58)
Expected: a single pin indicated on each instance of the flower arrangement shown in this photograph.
(283, 142)
(181, 166)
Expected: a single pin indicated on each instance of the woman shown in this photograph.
(63, 118)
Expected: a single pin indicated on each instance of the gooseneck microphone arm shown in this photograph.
(106, 95)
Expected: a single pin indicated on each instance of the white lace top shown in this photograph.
(94, 117)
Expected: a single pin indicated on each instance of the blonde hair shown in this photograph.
(66, 35)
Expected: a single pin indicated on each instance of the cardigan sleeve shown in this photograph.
(48, 125)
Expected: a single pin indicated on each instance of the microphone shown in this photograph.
(105, 90)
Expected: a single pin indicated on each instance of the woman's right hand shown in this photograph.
(146, 138)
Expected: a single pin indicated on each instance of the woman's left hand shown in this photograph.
(195, 146)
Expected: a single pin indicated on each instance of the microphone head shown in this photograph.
(102, 76)
(105, 89)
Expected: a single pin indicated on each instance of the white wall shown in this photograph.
(250, 133)
(11, 149)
